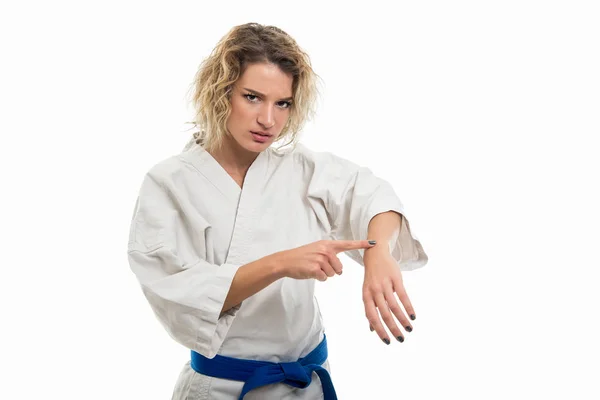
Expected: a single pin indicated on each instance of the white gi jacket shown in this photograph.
(193, 227)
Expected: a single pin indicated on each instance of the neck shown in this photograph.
(234, 157)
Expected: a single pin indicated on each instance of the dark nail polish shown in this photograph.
(372, 242)
(400, 339)
(409, 328)
(412, 316)
(386, 341)
(371, 328)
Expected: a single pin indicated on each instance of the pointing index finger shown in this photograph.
(345, 245)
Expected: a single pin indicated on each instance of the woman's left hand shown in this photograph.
(382, 279)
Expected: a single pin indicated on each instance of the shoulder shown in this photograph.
(176, 164)
(166, 168)
(305, 155)
(170, 172)
(317, 159)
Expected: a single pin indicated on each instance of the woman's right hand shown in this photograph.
(317, 260)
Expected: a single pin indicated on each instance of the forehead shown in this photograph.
(267, 79)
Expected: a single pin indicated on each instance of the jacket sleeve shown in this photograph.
(167, 253)
(352, 195)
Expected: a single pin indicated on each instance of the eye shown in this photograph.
(251, 98)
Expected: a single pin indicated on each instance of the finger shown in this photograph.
(345, 245)
(386, 315)
(320, 275)
(401, 292)
(335, 263)
(326, 267)
(396, 310)
(374, 320)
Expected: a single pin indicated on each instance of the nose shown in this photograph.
(266, 117)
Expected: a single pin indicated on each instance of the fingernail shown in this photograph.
(400, 339)
(412, 316)
(386, 341)
(371, 328)
(372, 242)
(409, 328)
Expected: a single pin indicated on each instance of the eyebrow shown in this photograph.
(260, 94)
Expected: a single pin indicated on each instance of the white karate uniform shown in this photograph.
(193, 227)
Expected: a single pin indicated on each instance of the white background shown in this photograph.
(483, 115)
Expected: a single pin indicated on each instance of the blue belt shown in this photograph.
(260, 373)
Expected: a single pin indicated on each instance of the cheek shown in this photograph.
(240, 111)
(285, 116)
(235, 116)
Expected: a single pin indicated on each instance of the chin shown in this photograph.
(248, 144)
(257, 148)
(252, 146)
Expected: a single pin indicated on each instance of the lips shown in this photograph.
(262, 133)
(260, 138)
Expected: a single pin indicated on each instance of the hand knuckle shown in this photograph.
(375, 288)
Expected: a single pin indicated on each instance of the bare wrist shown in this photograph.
(381, 251)
(276, 266)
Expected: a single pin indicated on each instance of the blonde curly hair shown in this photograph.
(243, 45)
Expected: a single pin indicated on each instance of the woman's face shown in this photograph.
(260, 103)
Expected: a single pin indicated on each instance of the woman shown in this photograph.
(228, 237)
